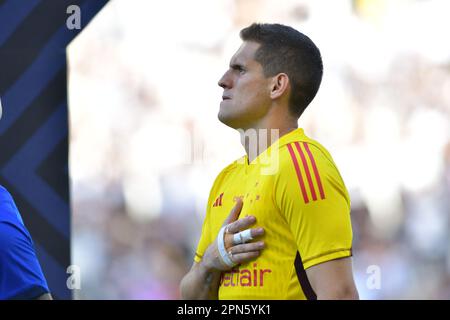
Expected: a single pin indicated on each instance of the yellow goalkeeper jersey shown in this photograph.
(297, 195)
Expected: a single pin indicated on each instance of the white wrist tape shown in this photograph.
(222, 250)
(242, 237)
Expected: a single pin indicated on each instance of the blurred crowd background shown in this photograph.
(146, 145)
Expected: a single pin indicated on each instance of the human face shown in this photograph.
(246, 96)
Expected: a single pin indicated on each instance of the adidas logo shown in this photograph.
(218, 202)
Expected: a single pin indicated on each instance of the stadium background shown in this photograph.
(146, 145)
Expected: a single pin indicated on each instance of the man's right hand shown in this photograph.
(239, 253)
(202, 281)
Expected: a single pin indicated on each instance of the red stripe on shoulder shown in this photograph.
(308, 174)
(316, 172)
(299, 174)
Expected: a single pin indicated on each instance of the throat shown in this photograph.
(256, 141)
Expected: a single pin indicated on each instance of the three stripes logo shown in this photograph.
(303, 171)
(218, 202)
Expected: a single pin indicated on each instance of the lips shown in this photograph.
(225, 98)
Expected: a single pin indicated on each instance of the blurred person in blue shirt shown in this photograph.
(21, 276)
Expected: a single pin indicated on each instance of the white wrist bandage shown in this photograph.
(222, 250)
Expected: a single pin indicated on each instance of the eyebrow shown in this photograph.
(236, 66)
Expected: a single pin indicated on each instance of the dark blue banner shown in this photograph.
(34, 121)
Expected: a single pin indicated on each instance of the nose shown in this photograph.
(225, 82)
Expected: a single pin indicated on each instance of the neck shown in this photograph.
(258, 138)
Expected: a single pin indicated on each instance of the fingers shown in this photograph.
(239, 253)
(234, 213)
(257, 232)
(245, 257)
(241, 224)
(229, 237)
(248, 247)
(245, 252)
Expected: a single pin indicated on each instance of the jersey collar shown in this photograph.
(294, 135)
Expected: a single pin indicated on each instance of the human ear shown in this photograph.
(279, 85)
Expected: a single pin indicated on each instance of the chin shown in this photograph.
(228, 120)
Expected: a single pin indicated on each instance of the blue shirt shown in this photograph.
(21, 276)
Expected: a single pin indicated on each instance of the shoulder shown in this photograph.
(233, 166)
(12, 238)
(229, 169)
(5, 196)
(303, 156)
(307, 168)
(12, 229)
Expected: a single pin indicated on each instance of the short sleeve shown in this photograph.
(205, 237)
(21, 276)
(311, 195)
(204, 241)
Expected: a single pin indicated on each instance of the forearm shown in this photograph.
(200, 283)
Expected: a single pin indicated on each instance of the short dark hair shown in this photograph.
(284, 49)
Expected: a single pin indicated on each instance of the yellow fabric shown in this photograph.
(315, 222)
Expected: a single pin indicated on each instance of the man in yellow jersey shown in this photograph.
(277, 224)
